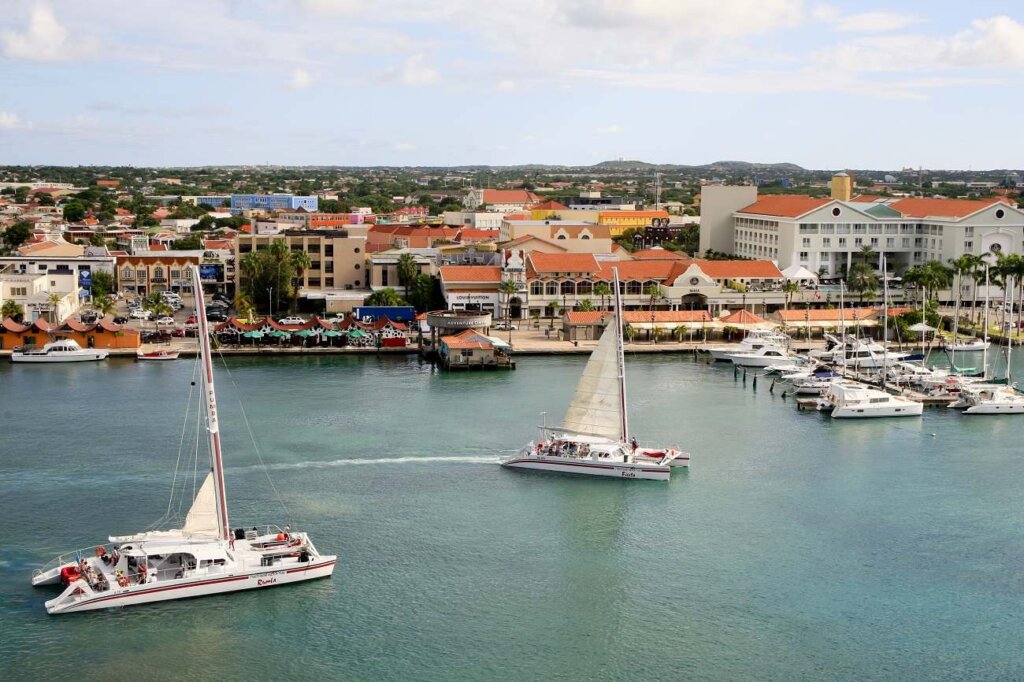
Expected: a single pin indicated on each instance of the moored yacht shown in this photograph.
(989, 399)
(202, 556)
(853, 400)
(61, 350)
(763, 357)
(755, 340)
(594, 438)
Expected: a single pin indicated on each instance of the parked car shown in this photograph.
(215, 316)
(221, 305)
(221, 297)
(505, 326)
(165, 321)
(123, 319)
(140, 314)
(192, 319)
(291, 320)
(177, 332)
(151, 336)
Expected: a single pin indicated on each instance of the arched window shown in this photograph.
(584, 288)
(536, 288)
(568, 288)
(551, 289)
(634, 287)
(127, 273)
(561, 236)
(584, 236)
(158, 272)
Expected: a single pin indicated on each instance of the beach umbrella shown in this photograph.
(356, 333)
(305, 333)
(253, 335)
(921, 327)
(279, 334)
(330, 333)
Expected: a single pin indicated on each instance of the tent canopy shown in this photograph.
(798, 273)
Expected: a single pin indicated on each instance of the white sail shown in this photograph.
(596, 408)
(202, 517)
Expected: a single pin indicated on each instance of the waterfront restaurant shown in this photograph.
(580, 325)
(829, 319)
(470, 349)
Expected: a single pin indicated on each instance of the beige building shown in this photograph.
(32, 291)
(718, 203)
(576, 237)
(338, 272)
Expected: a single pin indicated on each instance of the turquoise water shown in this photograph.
(795, 547)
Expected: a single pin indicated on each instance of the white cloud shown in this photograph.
(45, 39)
(9, 121)
(876, 22)
(608, 129)
(403, 147)
(989, 43)
(300, 80)
(415, 72)
(506, 85)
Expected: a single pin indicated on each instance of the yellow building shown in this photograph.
(842, 186)
(619, 221)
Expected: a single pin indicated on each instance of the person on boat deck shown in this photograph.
(633, 442)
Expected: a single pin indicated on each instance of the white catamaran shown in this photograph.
(594, 437)
(205, 556)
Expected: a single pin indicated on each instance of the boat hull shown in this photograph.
(907, 410)
(209, 585)
(629, 470)
(996, 408)
(83, 356)
(153, 357)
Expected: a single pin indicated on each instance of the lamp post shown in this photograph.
(270, 300)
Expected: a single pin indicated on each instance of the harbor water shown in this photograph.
(795, 547)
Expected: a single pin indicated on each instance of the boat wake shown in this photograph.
(282, 466)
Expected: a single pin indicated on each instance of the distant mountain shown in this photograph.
(721, 166)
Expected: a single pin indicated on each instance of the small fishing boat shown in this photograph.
(162, 354)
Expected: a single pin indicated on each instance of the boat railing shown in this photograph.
(66, 558)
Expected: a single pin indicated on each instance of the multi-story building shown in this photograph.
(272, 202)
(307, 220)
(577, 237)
(81, 267)
(619, 221)
(52, 295)
(828, 235)
(499, 200)
(145, 273)
(338, 272)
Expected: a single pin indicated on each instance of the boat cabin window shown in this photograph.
(880, 400)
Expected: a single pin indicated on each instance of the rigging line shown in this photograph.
(181, 441)
(252, 438)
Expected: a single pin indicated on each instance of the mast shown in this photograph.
(1009, 338)
(984, 352)
(620, 357)
(212, 424)
(956, 321)
(885, 321)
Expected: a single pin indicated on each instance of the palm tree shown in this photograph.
(508, 287)
(54, 300)
(244, 306)
(11, 309)
(384, 297)
(299, 261)
(586, 305)
(790, 288)
(862, 279)
(103, 304)
(866, 252)
(603, 290)
(653, 291)
(933, 276)
(913, 277)
(408, 270)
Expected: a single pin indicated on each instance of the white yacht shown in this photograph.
(61, 350)
(972, 346)
(854, 400)
(755, 340)
(202, 556)
(764, 357)
(989, 399)
(594, 438)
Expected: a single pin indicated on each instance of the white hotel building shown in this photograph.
(828, 234)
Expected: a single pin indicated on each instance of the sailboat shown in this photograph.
(204, 556)
(594, 438)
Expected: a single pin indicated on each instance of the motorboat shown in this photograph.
(763, 357)
(61, 350)
(203, 555)
(989, 399)
(972, 346)
(846, 399)
(594, 438)
(158, 355)
(752, 342)
(815, 383)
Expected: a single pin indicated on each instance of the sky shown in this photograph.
(827, 85)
